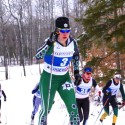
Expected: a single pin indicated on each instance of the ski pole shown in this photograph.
(102, 109)
(5, 114)
(65, 119)
(39, 68)
(95, 109)
(50, 83)
(53, 39)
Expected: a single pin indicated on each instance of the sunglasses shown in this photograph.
(64, 30)
(118, 78)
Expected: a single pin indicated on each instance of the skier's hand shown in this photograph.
(123, 102)
(108, 92)
(52, 38)
(34, 91)
(4, 99)
(77, 79)
(99, 92)
(119, 103)
(99, 99)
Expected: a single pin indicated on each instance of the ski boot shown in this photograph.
(101, 122)
(32, 122)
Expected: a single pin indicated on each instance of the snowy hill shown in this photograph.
(17, 110)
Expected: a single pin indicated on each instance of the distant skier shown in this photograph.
(36, 102)
(110, 90)
(4, 95)
(98, 99)
(82, 93)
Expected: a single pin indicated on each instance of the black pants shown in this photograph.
(83, 109)
(111, 101)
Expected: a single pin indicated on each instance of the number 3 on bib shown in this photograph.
(64, 61)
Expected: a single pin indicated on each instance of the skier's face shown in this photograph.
(64, 34)
(117, 80)
(87, 76)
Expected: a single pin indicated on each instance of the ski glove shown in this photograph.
(99, 96)
(4, 99)
(99, 99)
(34, 91)
(108, 92)
(77, 79)
(52, 38)
(99, 93)
(123, 102)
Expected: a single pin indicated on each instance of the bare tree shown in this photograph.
(29, 31)
(3, 22)
(18, 16)
(44, 19)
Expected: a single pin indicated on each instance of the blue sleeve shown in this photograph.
(106, 87)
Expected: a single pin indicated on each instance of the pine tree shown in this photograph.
(103, 40)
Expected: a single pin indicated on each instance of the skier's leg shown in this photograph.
(85, 107)
(0, 116)
(0, 104)
(0, 110)
(34, 98)
(33, 112)
(79, 101)
(115, 110)
(37, 101)
(106, 109)
(44, 91)
(67, 94)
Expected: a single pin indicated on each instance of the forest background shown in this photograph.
(98, 25)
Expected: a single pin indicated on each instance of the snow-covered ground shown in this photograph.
(18, 107)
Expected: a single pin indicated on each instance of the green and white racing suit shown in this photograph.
(57, 59)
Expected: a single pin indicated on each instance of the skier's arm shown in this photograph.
(106, 87)
(95, 85)
(76, 59)
(42, 50)
(4, 95)
(35, 88)
(75, 63)
(122, 91)
(48, 43)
